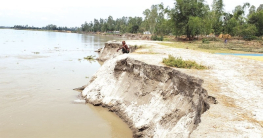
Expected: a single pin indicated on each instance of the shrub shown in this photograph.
(156, 38)
(180, 63)
(205, 41)
(250, 37)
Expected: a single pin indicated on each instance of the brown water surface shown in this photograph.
(38, 71)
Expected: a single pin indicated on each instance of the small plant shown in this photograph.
(36, 52)
(89, 57)
(180, 63)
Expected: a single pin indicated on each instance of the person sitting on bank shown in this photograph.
(125, 48)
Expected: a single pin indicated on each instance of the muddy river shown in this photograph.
(38, 71)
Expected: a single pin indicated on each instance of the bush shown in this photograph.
(250, 37)
(180, 63)
(156, 38)
(205, 41)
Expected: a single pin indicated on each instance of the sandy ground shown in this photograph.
(236, 82)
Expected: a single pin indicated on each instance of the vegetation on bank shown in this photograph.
(218, 46)
(187, 17)
(49, 27)
(91, 57)
(180, 63)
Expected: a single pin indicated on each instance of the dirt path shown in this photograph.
(236, 82)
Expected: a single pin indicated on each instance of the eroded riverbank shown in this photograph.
(235, 82)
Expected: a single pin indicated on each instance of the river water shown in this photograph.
(38, 71)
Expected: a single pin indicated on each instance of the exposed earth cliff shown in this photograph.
(155, 101)
(235, 82)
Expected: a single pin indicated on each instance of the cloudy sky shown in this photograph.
(75, 12)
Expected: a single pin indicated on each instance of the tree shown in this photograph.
(234, 22)
(155, 20)
(252, 10)
(110, 24)
(96, 26)
(186, 10)
(245, 30)
(216, 16)
(260, 7)
(150, 18)
(134, 24)
(257, 19)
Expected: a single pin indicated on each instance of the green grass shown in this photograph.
(89, 58)
(215, 47)
(180, 63)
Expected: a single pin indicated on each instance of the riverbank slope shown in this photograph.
(235, 82)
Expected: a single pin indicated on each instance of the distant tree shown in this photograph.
(185, 11)
(252, 10)
(257, 19)
(216, 16)
(96, 26)
(151, 18)
(260, 8)
(110, 24)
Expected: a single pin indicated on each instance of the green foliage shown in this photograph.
(187, 12)
(257, 19)
(229, 26)
(216, 16)
(124, 25)
(155, 21)
(156, 38)
(180, 63)
(250, 37)
(246, 30)
(195, 25)
(187, 17)
(48, 27)
(204, 40)
(89, 57)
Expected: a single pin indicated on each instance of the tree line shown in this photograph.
(47, 27)
(187, 17)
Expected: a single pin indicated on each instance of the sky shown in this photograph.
(73, 13)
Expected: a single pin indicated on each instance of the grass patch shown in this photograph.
(89, 57)
(180, 63)
(217, 46)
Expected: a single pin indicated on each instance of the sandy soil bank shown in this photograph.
(235, 82)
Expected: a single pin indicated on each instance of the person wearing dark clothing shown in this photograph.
(125, 48)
